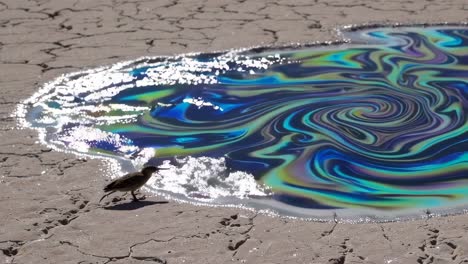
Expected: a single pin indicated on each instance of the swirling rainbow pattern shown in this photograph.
(378, 123)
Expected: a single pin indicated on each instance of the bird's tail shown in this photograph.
(109, 187)
(105, 195)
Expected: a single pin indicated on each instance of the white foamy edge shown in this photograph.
(199, 179)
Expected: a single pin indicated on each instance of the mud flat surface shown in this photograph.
(48, 200)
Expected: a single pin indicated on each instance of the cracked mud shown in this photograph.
(48, 200)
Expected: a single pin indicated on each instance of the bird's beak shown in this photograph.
(159, 168)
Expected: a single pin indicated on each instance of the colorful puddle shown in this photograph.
(374, 129)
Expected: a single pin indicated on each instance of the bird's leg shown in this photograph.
(142, 196)
(105, 195)
(135, 199)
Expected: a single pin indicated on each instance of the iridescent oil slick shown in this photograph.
(376, 127)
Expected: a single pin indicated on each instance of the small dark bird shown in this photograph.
(130, 182)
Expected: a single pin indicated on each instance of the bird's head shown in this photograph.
(150, 169)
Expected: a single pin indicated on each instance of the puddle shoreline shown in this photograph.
(26, 118)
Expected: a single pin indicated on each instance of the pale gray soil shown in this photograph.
(53, 217)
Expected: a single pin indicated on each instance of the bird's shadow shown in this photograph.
(133, 205)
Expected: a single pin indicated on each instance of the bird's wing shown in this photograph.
(124, 181)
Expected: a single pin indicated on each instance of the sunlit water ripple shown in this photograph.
(376, 127)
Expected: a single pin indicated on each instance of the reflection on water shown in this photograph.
(378, 124)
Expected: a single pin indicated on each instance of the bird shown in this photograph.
(130, 182)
